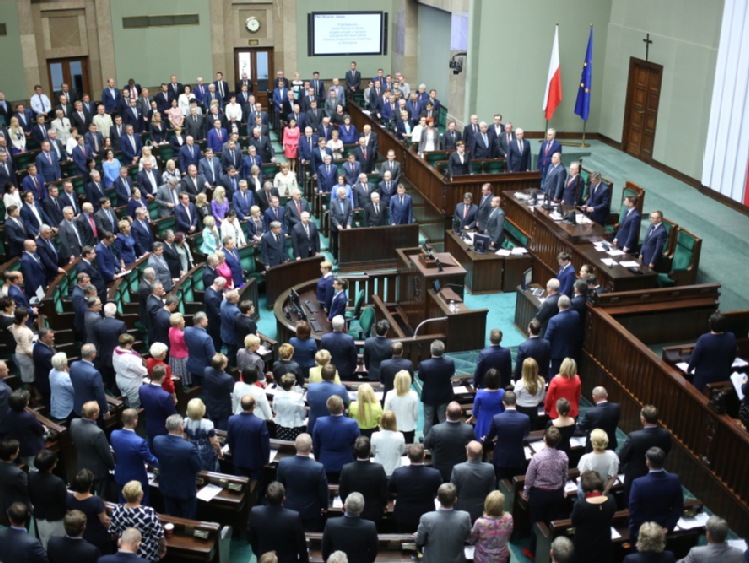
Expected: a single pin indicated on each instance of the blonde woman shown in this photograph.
(530, 390)
(219, 205)
(404, 402)
(491, 532)
(211, 236)
(388, 444)
(285, 181)
(132, 514)
(224, 270)
(255, 224)
(335, 145)
(202, 206)
(366, 410)
(566, 384)
(129, 370)
(200, 432)
(171, 172)
(603, 461)
(322, 358)
(17, 136)
(147, 154)
(255, 179)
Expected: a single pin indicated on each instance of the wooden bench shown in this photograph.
(393, 547)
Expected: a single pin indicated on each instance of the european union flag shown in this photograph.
(582, 104)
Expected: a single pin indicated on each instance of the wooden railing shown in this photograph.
(711, 451)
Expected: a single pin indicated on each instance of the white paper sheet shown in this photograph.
(536, 445)
(614, 534)
(739, 363)
(519, 251)
(738, 380)
(608, 262)
(502, 252)
(337, 502)
(468, 551)
(629, 264)
(698, 521)
(683, 366)
(570, 487)
(528, 452)
(460, 390)
(209, 492)
(613, 252)
(741, 544)
(578, 441)
(225, 449)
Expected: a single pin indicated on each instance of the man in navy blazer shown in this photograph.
(305, 483)
(519, 153)
(87, 382)
(415, 486)
(546, 152)
(273, 245)
(129, 544)
(200, 344)
(340, 300)
(248, 440)
(186, 215)
(599, 199)
(333, 438)
(566, 275)
(401, 207)
(603, 415)
(179, 464)
(535, 347)
(466, 212)
(16, 544)
(552, 184)
(436, 373)
(108, 265)
(509, 428)
(351, 533)
(319, 393)
(563, 334)
(655, 239)
(327, 175)
(493, 357)
(157, 403)
(342, 348)
(34, 275)
(131, 145)
(131, 452)
(656, 497)
(272, 527)
(628, 233)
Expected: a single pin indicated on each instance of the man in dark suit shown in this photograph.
(353, 79)
(394, 364)
(712, 359)
(495, 225)
(481, 145)
(131, 453)
(305, 238)
(201, 347)
(552, 184)
(519, 153)
(375, 212)
(458, 164)
(377, 349)
(305, 483)
(272, 527)
(342, 348)
(443, 532)
(447, 441)
(43, 352)
(365, 155)
(362, 191)
(493, 357)
(341, 217)
(352, 533)
(212, 298)
(179, 464)
(632, 454)
(651, 251)
(92, 447)
(273, 246)
(327, 174)
(603, 415)
(333, 438)
(599, 199)
(123, 187)
(401, 207)
(510, 429)
(366, 477)
(466, 212)
(52, 206)
(129, 546)
(34, 276)
(550, 306)
(451, 137)
(157, 403)
(546, 152)
(247, 437)
(415, 486)
(72, 546)
(87, 382)
(86, 264)
(16, 544)
(15, 232)
(628, 234)
(563, 334)
(656, 497)
(436, 373)
(217, 389)
(473, 479)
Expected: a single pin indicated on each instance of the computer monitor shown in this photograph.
(456, 224)
(527, 279)
(481, 243)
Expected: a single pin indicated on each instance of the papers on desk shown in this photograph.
(696, 521)
(263, 351)
(519, 251)
(39, 294)
(225, 449)
(528, 452)
(521, 196)
(581, 219)
(738, 380)
(629, 264)
(536, 445)
(209, 492)
(272, 456)
(122, 273)
(614, 534)
(556, 216)
(608, 262)
(337, 503)
(739, 363)
(502, 252)
(740, 544)
(468, 552)
(570, 487)
(613, 252)
(460, 390)
(683, 366)
(578, 441)
(405, 462)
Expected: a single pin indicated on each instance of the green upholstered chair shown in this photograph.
(494, 166)
(630, 189)
(685, 260)
(435, 156)
(363, 328)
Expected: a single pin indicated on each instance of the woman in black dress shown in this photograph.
(97, 521)
(565, 424)
(591, 517)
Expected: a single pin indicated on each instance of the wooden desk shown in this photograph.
(548, 238)
(282, 277)
(373, 248)
(487, 272)
(526, 308)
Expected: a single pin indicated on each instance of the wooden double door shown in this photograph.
(641, 109)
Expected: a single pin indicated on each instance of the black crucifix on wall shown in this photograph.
(647, 42)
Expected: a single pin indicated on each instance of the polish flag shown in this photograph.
(553, 93)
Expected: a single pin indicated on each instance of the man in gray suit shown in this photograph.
(716, 550)
(92, 447)
(167, 197)
(495, 226)
(443, 532)
(473, 480)
(447, 441)
(341, 217)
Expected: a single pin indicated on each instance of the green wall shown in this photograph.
(508, 59)
(331, 66)
(14, 81)
(153, 54)
(685, 35)
(434, 56)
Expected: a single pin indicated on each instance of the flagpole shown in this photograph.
(584, 144)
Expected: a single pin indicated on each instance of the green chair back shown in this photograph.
(366, 320)
(684, 251)
(494, 166)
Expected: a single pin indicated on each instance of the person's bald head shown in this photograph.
(474, 450)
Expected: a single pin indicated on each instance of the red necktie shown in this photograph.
(299, 208)
(465, 211)
(93, 225)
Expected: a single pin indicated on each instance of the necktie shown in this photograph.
(364, 154)
(174, 196)
(77, 234)
(221, 88)
(132, 142)
(548, 146)
(486, 140)
(49, 158)
(187, 211)
(520, 146)
(93, 226)
(377, 208)
(275, 212)
(278, 239)
(401, 198)
(465, 211)
(299, 208)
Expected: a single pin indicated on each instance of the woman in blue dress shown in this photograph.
(125, 246)
(487, 403)
(305, 347)
(349, 134)
(111, 168)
